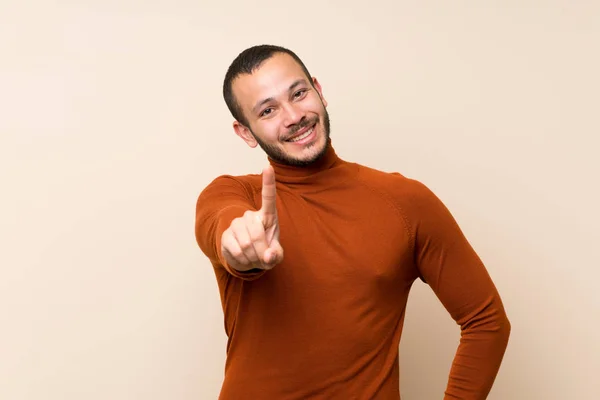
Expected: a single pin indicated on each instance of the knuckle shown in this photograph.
(238, 255)
(226, 239)
(255, 236)
(240, 226)
(245, 244)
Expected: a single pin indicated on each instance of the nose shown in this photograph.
(292, 115)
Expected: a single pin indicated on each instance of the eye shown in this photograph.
(266, 112)
(299, 93)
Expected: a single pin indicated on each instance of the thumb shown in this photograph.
(274, 254)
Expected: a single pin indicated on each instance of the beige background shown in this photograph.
(112, 121)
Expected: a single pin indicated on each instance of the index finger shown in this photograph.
(268, 192)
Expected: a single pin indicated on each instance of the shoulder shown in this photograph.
(226, 185)
(395, 184)
(241, 182)
(410, 196)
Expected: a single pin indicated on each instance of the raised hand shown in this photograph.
(252, 241)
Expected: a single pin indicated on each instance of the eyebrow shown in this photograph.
(269, 99)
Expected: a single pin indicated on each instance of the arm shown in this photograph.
(222, 201)
(233, 233)
(449, 265)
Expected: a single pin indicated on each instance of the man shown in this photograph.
(315, 257)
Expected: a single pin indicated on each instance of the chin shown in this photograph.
(309, 154)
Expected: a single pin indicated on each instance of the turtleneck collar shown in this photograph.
(295, 174)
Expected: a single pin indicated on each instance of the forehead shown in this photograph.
(271, 79)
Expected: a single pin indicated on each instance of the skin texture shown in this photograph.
(279, 101)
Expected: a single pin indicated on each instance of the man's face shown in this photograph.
(285, 111)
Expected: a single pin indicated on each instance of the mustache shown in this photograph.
(302, 124)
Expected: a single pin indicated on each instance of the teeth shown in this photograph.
(305, 134)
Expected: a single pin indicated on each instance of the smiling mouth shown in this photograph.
(301, 136)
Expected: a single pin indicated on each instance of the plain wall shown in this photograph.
(112, 122)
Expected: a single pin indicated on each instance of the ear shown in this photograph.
(245, 134)
(317, 86)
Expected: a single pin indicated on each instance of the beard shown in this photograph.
(280, 156)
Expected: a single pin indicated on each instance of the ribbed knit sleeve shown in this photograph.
(449, 265)
(223, 200)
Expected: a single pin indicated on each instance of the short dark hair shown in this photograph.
(247, 62)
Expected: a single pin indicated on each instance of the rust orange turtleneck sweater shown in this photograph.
(326, 322)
